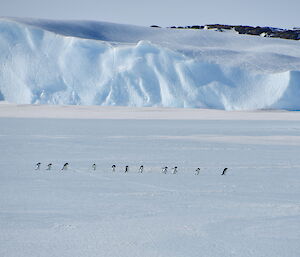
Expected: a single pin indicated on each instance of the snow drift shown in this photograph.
(97, 63)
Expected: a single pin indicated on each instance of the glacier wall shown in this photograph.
(39, 66)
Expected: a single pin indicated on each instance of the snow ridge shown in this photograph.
(97, 63)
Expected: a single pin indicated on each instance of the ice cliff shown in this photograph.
(98, 63)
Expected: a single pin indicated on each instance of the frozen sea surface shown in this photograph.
(254, 210)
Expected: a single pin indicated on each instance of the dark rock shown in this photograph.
(287, 34)
(242, 29)
(197, 27)
(218, 26)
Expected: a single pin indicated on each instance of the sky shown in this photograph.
(276, 13)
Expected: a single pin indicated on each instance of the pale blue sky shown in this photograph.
(284, 14)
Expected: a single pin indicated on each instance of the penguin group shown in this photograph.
(126, 170)
(49, 166)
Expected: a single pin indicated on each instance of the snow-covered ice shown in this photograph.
(254, 210)
(98, 63)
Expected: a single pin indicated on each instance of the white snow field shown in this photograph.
(98, 63)
(252, 211)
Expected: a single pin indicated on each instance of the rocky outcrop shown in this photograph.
(252, 30)
(187, 27)
(249, 30)
(287, 34)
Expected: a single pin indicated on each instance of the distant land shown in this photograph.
(293, 34)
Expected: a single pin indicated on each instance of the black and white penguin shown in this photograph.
(65, 167)
(175, 170)
(126, 168)
(197, 171)
(49, 166)
(113, 168)
(94, 166)
(141, 169)
(224, 171)
(37, 166)
(165, 170)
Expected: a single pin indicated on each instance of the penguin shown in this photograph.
(197, 171)
(65, 167)
(113, 167)
(165, 170)
(49, 166)
(94, 166)
(224, 171)
(141, 169)
(174, 170)
(126, 168)
(37, 166)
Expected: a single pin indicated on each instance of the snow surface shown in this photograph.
(98, 63)
(145, 113)
(254, 210)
